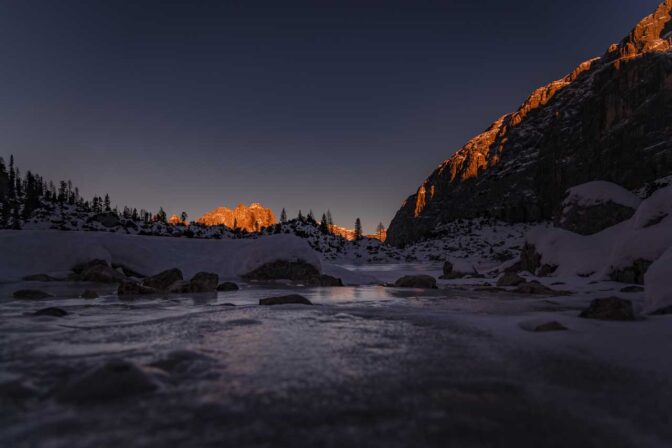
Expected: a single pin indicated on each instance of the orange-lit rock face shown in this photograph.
(252, 218)
(349, 234)
(175, 220)
(608, 119)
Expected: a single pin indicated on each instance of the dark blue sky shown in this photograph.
(346, 105)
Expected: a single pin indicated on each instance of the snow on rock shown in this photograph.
(600, 192)
(27, 252)
(645, 236)
(657, 284)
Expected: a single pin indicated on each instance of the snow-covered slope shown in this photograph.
(28, 252)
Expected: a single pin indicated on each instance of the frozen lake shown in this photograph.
(365, 366)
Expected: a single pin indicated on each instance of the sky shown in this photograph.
(340, 105)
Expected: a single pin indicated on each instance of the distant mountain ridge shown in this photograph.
(610, 119)
(252, 218)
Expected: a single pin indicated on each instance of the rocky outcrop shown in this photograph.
(610, 119)
(611, 308)
(252, 218)
(292, 299)
(31, 294)
(416, 281)
(590, 208)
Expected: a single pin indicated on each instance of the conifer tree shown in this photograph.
(183, 217)
(324, 226)
(358, 229)
(380, 231)
(300, 216)
(283, 216)
(107, 203)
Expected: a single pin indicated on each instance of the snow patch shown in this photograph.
(657, 284)
(600, 192)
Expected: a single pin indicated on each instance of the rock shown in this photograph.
(285, 300)
(296, 271)
(530, 259)
(89, 294)
(611, 308)
(129, 288)
(510, 279)
(39, 278)
(81, 267)
(632, 289)
(101, 274)
(595, 123)
(416, 281)
(164, 280)
(252, 218)
(107, 219)
(227, 286)
(204, 282)
(537, 288)
(52, 311)
(15, 391)
(632, 274)
(183, 362)
(447, 268)
(180, 287)
(329, 281)
(663, 311)
(549, 326)
(128, 272)
(594, 206)
(31, 294)
(114, 380)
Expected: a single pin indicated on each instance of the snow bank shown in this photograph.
(647, 235)
(27, 252)
(658, 283)
(600, 192)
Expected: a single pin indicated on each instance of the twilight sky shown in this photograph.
(346, 105)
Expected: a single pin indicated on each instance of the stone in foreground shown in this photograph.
(52, 311)
(163, 280)
(31, 294)
(416, 281)
(114, 380)
(286, 300)
(611, 308)
(549, 326)
(89, 294)
(204, 282)
(227, 286)
(510, 279)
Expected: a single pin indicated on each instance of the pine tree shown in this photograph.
(324, 226)
(161, 216)
(107, 203)
(358, 229)
(380, 231)
(300, 216)
(183, 217)
(283, 216)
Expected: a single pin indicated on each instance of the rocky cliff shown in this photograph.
(610, 119)
(252, 218)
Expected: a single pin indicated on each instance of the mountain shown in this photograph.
(252, 218)
(609, 119)
(349, 234)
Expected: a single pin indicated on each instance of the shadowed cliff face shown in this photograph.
(610, 119)
(252, 218)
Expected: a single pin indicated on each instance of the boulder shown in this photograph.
(285, 300)
(296, 271)
(227, 286)
(107, 219)
(592, 207)
(38, 278)
(538, 288)
(81, 267)
(632, 289)
(204, 282)
(164, 280)
(101, 274)
(530, 259)
(113, 380)
(632, 274)
(549, 326)
(416, 281)
(129, 288)
(329, 281)
(89, 294)
(611, 308)
(449, 272)
(510, 279)
(30, 294)
(52, 311)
